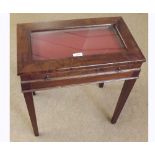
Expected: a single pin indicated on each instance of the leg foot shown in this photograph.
(31, 110)
(127, 87)
(101, 85)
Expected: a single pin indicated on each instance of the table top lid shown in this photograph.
(58, 45)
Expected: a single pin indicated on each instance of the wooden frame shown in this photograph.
(37, 75)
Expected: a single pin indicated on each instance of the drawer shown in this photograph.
(35, 85)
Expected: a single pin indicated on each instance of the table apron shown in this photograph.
(30, 86)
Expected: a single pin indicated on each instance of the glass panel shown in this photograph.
(59, 44)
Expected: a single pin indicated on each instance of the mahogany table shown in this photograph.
(79, 51)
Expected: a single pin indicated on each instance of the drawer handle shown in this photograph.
(118, 69)
(46, 77)
(100, 70)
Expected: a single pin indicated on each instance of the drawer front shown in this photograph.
(45, 84)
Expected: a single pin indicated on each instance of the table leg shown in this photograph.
(34, 93)
(31, 109)
(101, 85)
(127, 87)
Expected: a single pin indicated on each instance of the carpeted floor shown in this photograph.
(81, 113)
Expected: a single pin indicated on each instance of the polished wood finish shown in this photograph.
(123, 64)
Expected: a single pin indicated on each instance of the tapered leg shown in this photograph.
(127, 87)
(101, 85)
(34, 93)
(31, 109)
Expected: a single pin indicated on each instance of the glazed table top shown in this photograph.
(59, 45)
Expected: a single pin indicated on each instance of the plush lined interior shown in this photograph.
(59, 44)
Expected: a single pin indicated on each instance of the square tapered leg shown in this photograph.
(127, 87)
(31, 110)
